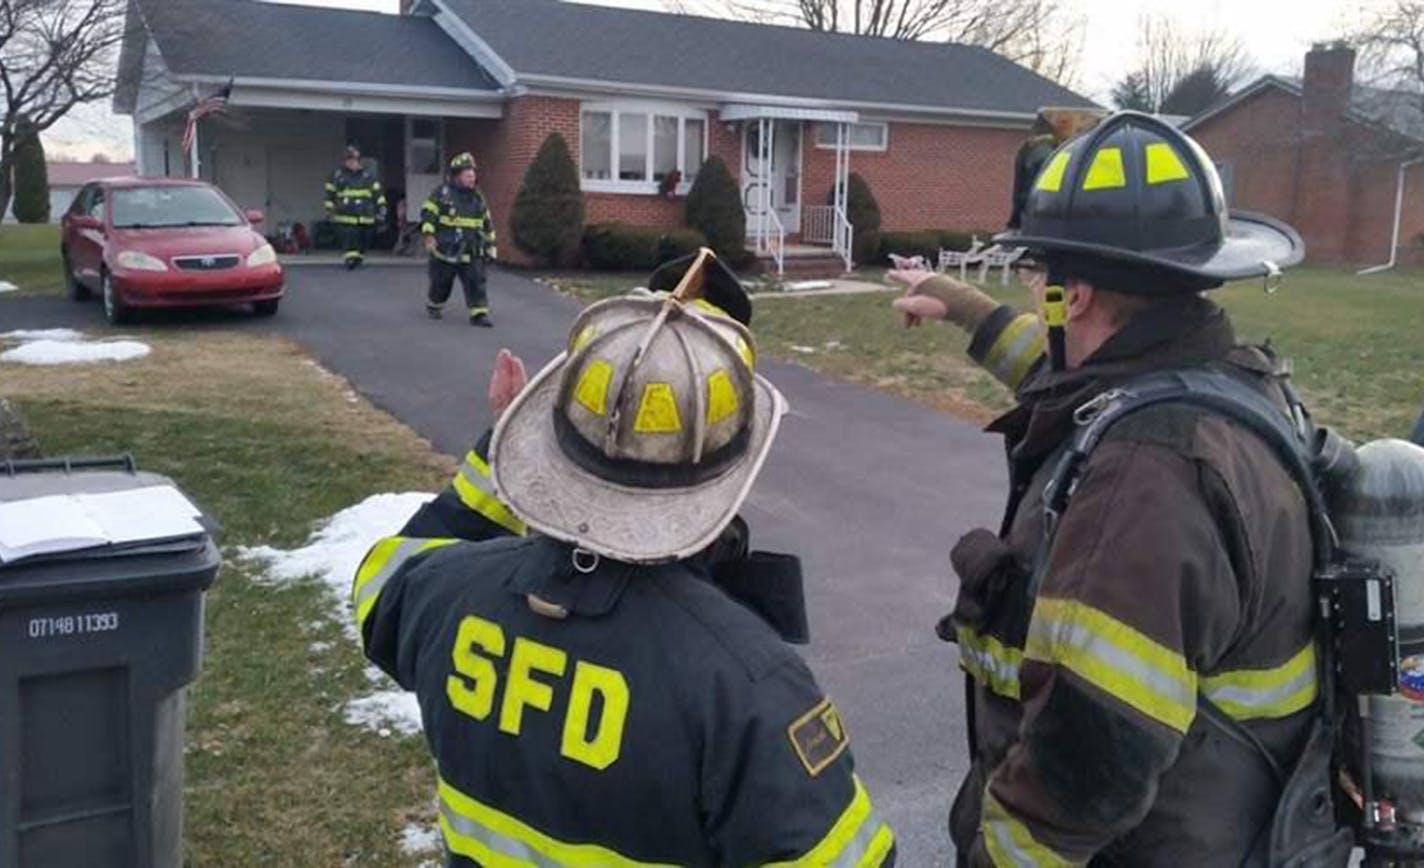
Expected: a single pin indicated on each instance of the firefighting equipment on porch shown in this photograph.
(640, 441)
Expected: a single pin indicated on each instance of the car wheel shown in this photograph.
(76, 290)
(266, 308)
(115, 310)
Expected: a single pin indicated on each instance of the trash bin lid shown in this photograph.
(169, 563)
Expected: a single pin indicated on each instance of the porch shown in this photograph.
(788, 232)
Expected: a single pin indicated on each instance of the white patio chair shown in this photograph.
(999, 257)
(961, 259)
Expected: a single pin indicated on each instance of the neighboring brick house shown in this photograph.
(1341, 162)
(65, 178)
(932, 127)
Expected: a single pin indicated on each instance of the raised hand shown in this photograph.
(506, 382)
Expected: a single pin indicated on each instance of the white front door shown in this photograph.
(779, 182)
(424, 163)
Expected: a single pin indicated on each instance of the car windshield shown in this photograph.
(153, 207)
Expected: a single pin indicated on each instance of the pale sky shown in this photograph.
(1275, 32)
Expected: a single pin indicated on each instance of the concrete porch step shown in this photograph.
(802, 266)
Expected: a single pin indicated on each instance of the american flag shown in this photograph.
(214, 104)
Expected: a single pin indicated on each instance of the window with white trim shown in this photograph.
(632, 148)
(863, 137)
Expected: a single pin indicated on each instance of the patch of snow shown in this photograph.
(7, 286)
(332, 555)
(803, 350)
(803, 285)
(385, 711)
(43, 335)
(64, 352)
(417, 839)
(834, 345)
(318, 647)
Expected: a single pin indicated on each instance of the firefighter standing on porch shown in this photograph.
(354, 202)
(459, 235)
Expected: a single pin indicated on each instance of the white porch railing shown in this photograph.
(818, 224)
(771, 237)
(844, 238)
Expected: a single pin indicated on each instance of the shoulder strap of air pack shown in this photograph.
(1213, 390)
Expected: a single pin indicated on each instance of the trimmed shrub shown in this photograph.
(547, 219)
(714, 208)
(31, 181)
(864, 214)
(620, 247)
(679, 242)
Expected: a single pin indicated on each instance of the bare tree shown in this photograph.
(54, 55)
(1044, 35)
(1178, 71)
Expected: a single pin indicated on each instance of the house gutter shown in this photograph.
(1398, 209)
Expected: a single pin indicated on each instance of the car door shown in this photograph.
(86, 234)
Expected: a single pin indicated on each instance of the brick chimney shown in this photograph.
(1329, 73)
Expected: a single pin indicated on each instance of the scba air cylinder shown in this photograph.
(1380, 515)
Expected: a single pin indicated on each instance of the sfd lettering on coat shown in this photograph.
(471, 690)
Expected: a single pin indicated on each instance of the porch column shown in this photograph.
(193, 153)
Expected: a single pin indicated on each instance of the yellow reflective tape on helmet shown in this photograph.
(1009, 842)
(745, 350)
(1163, 164)
(657, 411)
(721, 397)
(1115, 658)
(581, 340)
(498, 840)
(1106, 171)
(857, 840)
(1050, 180)
(704, 304)
(592, 388)
(1254, 694)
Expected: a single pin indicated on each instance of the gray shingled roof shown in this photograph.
(245, 38)
(552, 38)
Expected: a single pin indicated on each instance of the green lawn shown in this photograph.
(1357, 343)
(268, 444)
(29, 257)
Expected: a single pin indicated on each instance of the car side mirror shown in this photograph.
(254, 216)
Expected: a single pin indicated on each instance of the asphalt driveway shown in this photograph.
(869, 489)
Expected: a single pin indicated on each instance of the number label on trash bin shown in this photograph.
(60, 626)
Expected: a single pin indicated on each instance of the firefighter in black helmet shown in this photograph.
(459, 235)
(1126, 655)
(354, 202)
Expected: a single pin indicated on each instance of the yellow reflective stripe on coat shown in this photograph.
(1255, 694)
(383, 561)
(990, 662)
(476, 491)
(356, 193)
(858, 839)
(461, 222)
(347, 219)
(495, 839)
(1116, 658)
(1010, 843)
(1015, 350)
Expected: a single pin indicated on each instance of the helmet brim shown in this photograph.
(1255, 246)
(557, 497)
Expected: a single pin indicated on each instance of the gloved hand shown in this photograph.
(491, 253)
(428, 241)
(937, 296)
(506, 382)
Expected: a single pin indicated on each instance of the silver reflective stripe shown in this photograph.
(1010, 359)
(502, 844)
(1260, 698)
(473, 475)
(1074, 635)
(1008, 847)
(373, 586)
(856, 849)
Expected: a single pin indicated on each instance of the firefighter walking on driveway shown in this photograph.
(459, 236)
(1137, 637)
(613, 688)
(354, 203)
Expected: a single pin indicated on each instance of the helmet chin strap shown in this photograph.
(1055, 316)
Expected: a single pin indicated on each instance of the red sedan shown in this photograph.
(160, 242)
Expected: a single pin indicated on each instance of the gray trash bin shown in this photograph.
(96, 650)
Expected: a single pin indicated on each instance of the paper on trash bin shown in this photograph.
(72, 522)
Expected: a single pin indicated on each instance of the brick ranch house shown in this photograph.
(931, 127)
(1342, 162)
